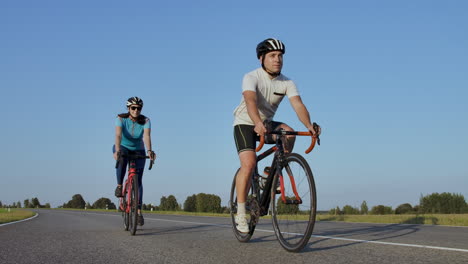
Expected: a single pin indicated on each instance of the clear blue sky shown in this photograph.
(387, 80)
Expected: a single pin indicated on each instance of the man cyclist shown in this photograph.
(263, 89)
(132, 133)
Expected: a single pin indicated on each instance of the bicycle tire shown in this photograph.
(294, 223)
(133, 218)
(125, 215)
(242, 237)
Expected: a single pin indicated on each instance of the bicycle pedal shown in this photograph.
(295, 201)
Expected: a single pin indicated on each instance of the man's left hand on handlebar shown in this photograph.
(315, 130)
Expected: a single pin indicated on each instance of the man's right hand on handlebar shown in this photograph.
(260, 128)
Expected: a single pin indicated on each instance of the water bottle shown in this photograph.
(263, 178)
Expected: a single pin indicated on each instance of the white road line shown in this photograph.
(393, 243)
(19, 221)
(327, 237)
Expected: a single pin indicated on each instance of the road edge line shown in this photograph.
(19, 221)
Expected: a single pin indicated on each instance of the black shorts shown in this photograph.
(246, 138)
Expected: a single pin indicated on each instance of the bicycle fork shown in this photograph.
(285, 200)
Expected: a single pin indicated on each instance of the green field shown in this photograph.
(14, 215)
(426, 219)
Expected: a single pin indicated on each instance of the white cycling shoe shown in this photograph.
(241, 222)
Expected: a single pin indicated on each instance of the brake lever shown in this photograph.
(316, 131)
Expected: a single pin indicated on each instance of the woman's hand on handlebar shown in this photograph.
(116, 155)
(151, 155)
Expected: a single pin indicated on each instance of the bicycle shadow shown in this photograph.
(372, 233)
(174, 230)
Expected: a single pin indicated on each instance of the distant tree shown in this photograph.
(381, 210)
(35, 203)
(364, 208)
(190, 204)
(18, 204)
(349, 210)
(1, 205)
(405, 208)
(225, 210)
(162, 203)
(338, 211)
(77, 202)
(283, 208)
(103, 203)
(169, 203)
(208, 203)
(13, 205)
(47, 205)
(444, 203)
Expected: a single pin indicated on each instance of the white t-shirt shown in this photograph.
(270, 92)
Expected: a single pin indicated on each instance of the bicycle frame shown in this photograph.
(127, 189)
(264, 197)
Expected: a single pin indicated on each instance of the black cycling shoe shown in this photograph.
(118, 191)
(140, 220)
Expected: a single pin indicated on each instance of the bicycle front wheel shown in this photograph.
(133, 217)
(125, 215)
(294, 206)
(251, 207)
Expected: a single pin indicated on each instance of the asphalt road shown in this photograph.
(57, 236)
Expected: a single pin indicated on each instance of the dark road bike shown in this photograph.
(288, 193)
(128, 203)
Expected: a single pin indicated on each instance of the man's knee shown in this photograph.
(247, 159)
(286, 127)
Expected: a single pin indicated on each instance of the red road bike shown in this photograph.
(128, 203)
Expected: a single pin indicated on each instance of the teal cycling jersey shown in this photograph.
(132, 133)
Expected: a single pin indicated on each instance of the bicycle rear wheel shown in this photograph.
(133, 216)
(251, 207)
(294, 219)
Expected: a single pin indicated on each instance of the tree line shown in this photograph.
(201, 202)
(435, 203)
(28, 203)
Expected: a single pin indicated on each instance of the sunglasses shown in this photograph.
(136, 108)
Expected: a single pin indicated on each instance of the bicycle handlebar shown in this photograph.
(285, 133)
(133, 156)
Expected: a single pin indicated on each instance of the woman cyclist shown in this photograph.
(132, 133)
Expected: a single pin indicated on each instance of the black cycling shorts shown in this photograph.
(246, 138)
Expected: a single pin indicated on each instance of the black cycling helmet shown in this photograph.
(134, 101)
(269, 45)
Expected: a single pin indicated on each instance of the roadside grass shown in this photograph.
(420, 219)
(14, 215)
